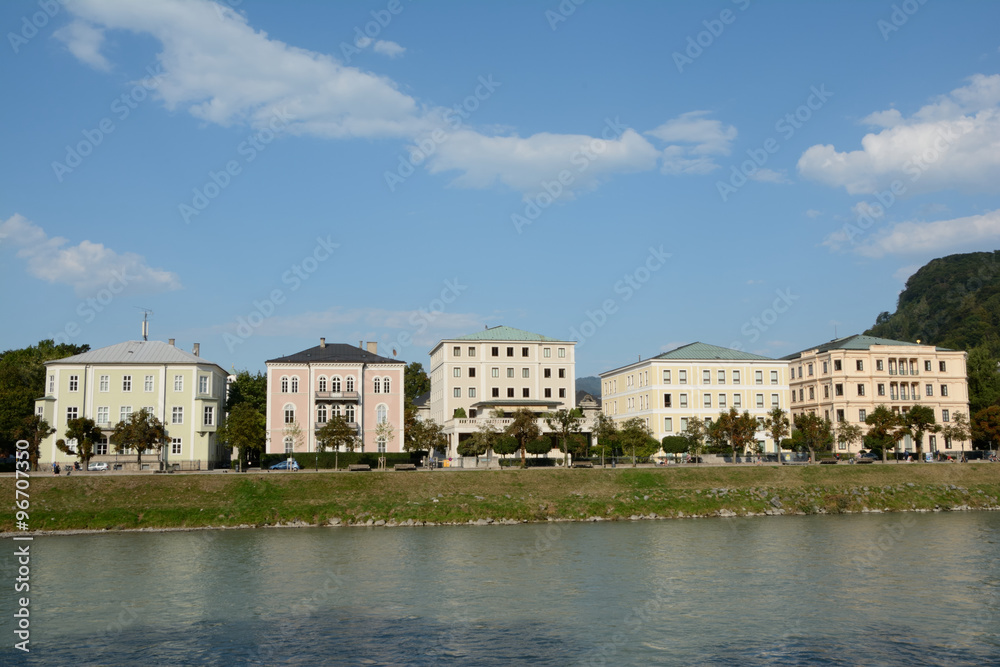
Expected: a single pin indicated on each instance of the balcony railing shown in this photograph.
(353, 425)
(337, 395)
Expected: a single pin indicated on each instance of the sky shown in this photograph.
(631, 175)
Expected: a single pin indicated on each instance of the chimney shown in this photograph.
(197, 349)
(322, 342)
(170, 340)
(361, 344)
(373, 347)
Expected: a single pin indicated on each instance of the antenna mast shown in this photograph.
(146, 312)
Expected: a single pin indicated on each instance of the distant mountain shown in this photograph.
(590, 384)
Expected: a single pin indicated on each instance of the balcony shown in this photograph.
(337, 396)
(353, 425)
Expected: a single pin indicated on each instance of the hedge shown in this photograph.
(325, 460)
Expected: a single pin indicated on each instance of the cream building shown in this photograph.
(845, 379)
(184, 391)
(696, 380)
(499, 368)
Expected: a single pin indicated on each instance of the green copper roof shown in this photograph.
(857, 342)
(704, 351)
(507, 333)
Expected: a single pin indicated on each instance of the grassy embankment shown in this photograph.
(101, 501)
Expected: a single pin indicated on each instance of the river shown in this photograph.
(880, 589)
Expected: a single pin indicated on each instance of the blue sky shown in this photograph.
(634, 175)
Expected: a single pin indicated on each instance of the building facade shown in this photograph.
(500, 368)
(696, 380)
(846, 379)
(304, 390)
(184, 391)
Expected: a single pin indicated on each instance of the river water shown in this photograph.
(889, 589)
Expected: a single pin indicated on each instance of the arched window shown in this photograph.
(335, 411)
(381, 414)
(350, 383)
(378, 385)
(289, 443)
(295, 385)
(335, 383)
(289, 413)
(322, 383)
(321, 414)
(385, 385)
(350, 413)
(284, 384)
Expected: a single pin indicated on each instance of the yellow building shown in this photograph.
(696, 380)
(844, 380)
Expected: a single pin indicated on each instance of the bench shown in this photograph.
(404, 466)
(358, 467)
(828, 462)
(585, 464)
(861, 461)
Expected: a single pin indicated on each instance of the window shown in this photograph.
(881, 390)
(860, 364)
(722, 401)
(495, 351)
(72, 413)
(52, 384)
(861, 390)
(800, 371)
(862, 415)
(321, 414)
(547, 373)
(774, 400)
(682, 377)
(758, 377)
(707, 399)
(381, 414)
(927, 365)
(284, 384)
(495, 372)
(736, 377)
(944, 390)
(942, 367)
(932, 441)
(842, 445)
(667, 402)
(525, 393)
(945, 416)
(840, 415)
(562, 372)
(562, 353)
(737, 401)
(546, 352)
(524, 373)
(350, 383)
(760, 400)
(562, 393)
(289, 443)
(524, 352)
(668, 424)
(510, 372)
(456, 351)
(812, 394)
(175, 446)
(548, 392)
(335, 383)
(289, 414)
(295, 385)
(706, 377)
(74, 382)
(127, 383)
(102, 416)
(666, 377)
(322, 383)
(929, 390)
(472, 392)
(349, 414)
(496, 392)
(510, 392)
(124, 413)
(104, 382)
(510, 352)
(178, 383)
(684, 400)
(722, 377)
(826, 368)
(378, 382)
(838, 389)
(684, 424)
(385, 385)
(177, 415)
(810, 372)
(879, 366)
(101, 448)
(836, 365)
(472, 351)
(800, 394)
(456, 392)
(380, 444)
(203, 384)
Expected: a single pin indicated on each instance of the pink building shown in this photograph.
(304, 390)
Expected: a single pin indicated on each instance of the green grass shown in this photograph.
(160, 501)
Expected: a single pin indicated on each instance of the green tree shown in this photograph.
(564, 423)
(245, 429)
(675, 444)
(605, 430)
(34, 429)
(849, 434)
(336, 434)
(384, 432)
(815, 432)
(485, 439)
(696, 433)
(459, 414)
(634, 436)
(506, 445)
(248, 388)
(778, 427)
(86, 434)
(883, 425)
(141, 431)
(986, 427)
(425, 435)
(920, 420)
(415, 380)
(983, 378)
(539, 446)
(958, 429)
(737, 430)
(523, 428)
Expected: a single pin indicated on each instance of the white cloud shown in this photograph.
(903, 273)
(765, 175)
(693, 140)
(87, 266)
(923, 237)
(813, 213)
(387, 48)
(84, 41)
(363, 42)
(953, 142)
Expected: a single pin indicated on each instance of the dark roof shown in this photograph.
(334, 352)
(422, 400)
(514, 403)
(857, 342)
(705, 351)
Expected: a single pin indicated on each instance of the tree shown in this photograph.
(695, 435)
(564, 423)
(983, 378)
(920, 420)
(141, 431)
(245, 429)
(523, 428)
(635, 435)
(336, 434)
(385, 433)
(849, 434)
(459, 414)
(675, 444)
(248, 388)
(883, 425)
(959, 429)
(415, 381)
(86, 434)
(34, 429)
(986, 427)
(737, 429)
(606, 431)
(484, 439)
(294, 431)
(815, 433)
(778, 427)
(425, 435)
(540, 445)
(506, 445)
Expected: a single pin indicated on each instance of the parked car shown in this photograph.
(97, 466)
(286, 465)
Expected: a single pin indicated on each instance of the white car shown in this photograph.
(98, 466)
